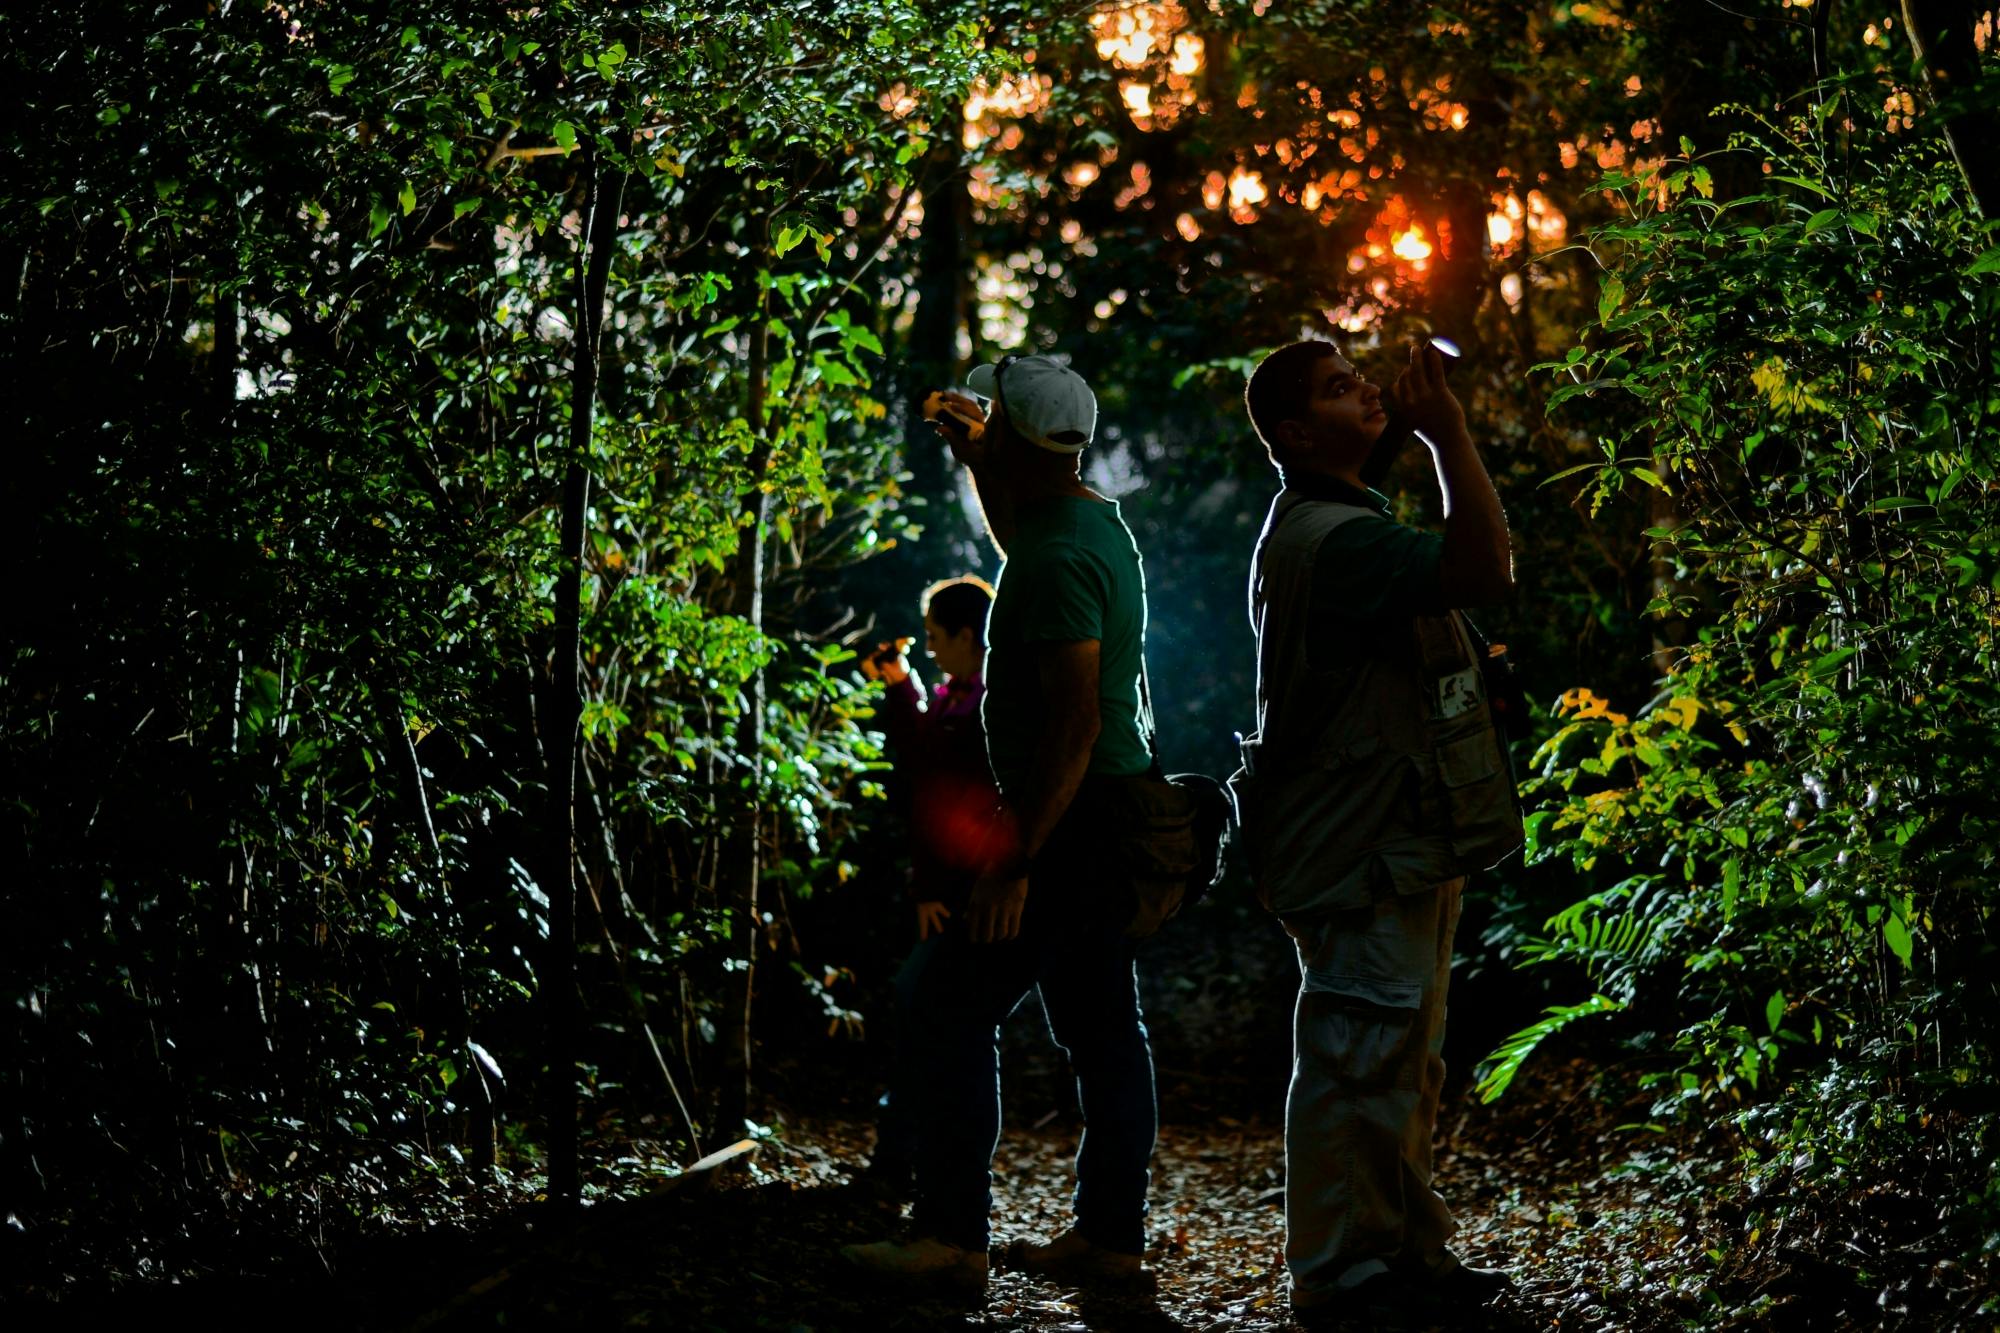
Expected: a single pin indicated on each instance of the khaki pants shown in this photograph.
(1367, 1069)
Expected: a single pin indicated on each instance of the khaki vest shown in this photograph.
(1378, 770)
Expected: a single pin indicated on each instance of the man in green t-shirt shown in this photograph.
(1375, 781)
(1065, 644)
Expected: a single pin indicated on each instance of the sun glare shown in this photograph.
(1014, 97)
(1246, 191)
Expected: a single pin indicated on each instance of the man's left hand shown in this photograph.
(994, 914)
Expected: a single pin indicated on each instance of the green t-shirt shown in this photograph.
(1368, 571)
(1072, 573)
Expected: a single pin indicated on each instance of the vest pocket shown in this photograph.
(1481, 806)
(1468, 760)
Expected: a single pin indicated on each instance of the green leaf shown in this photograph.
(1572, 471)
(1732, 885)
(1802, 182)
(1610, 296)
(1986, 263)
(1896, 933)
(408, 198)
(1774, 1010)
(1569, 391)
(466, 206)
(378, 219)
(1508, 1057)
(564, 134)
(858, 336)
(1822, 220)
(789, 237)
(833, 372)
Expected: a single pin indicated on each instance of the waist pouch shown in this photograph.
(1158, 841)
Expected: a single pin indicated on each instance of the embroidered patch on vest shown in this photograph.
(1458, 693)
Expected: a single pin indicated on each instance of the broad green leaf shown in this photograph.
(1610, 295)
(1800, 181)
(1896, 933)
(788, 238)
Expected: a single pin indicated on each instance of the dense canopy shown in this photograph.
(461, 451)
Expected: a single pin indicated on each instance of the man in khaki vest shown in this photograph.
(1375, 782)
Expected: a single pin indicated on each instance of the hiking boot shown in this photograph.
(926, 1259)
(1389, 1300)
(1457, 1285)
(1071, 1258)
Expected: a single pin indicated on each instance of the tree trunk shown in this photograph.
(741, 861)
(223, 361)
(559, 979)
(1459, 271)
(941, 303)
(1941, 40)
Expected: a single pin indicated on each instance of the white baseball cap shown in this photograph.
(1047, 402)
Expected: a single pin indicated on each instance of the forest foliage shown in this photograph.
(308, 364)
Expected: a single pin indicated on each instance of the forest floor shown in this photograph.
(1605, 1228)
(1543, 1189)
(1605, 1223)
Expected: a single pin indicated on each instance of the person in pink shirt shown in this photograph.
(938, 746)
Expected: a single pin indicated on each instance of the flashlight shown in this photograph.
(1395, 431)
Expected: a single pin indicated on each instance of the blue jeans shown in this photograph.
(896, 1127)
(1089, 987)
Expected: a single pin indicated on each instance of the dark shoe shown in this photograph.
(1392, 1300)
(1071, 1258)
(927, 1259)
(1458, 1286)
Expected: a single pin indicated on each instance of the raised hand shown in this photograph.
(962, 423)
(888, 661)
(1424, 399)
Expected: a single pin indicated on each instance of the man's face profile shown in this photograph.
(1343, 414)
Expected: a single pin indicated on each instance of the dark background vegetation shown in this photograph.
(458, 450)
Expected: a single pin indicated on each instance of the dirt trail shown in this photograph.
(1529, 1180)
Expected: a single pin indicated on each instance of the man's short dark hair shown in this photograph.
(1279, 389)
(960, 603)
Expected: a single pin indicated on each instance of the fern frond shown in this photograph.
(1508, 1057)
(1613, 933)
